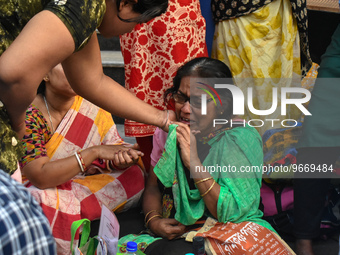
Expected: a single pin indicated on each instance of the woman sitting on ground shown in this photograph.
(180, 194)
(75, 160)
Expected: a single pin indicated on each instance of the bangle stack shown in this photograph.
(203, 180)
(208, 190)
(147, 223)
(80, 161)
(152, 217)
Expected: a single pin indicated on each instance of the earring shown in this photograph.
(46, 78)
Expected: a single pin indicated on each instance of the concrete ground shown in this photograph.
(120, 128)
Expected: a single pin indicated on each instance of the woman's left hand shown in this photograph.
(126, 158)
(187, 142)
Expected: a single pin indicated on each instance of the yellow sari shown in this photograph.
(262, 50)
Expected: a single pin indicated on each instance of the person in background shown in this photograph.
(210, 24)
(178, 198)
(24, 228)
(265, 44)
(152, 53)
(319, 146)
(75, 161)
(35, 36)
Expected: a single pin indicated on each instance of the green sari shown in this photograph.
(240, 191)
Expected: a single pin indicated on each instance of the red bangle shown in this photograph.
(82, 161)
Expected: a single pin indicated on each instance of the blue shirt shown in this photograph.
(24, 229)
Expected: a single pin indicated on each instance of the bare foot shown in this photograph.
(304, 247)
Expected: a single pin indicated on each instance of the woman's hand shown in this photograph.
(166, 228)
(187, 142)
(122, 156)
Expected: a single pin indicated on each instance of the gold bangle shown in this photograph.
(146, 215)
(152, 217)
(203, 180)
(212, 185)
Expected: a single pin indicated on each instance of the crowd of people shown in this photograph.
(62, 158)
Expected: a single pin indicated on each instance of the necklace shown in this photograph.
(207, 138)
(49, 115)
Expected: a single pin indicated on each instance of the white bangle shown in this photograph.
(79, 162)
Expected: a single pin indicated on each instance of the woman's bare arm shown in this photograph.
(43, 43)
(208, 188)
(165, 227)
(44, 173)
(85, 73)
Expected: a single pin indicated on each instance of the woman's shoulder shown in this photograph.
(245, 130)
(241, 132)
(80, 17)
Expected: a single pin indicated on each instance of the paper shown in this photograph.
(109, 230)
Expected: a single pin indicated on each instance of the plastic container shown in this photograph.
(198, 245)
(131, 248)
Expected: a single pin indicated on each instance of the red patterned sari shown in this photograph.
(153, 52)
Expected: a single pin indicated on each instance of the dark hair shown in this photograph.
(148, 9)
(42, 88)
(204, 68)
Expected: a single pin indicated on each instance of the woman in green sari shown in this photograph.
(202, 175)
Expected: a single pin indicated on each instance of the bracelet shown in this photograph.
(82, 161)
(146, 215)
(167, 118)
(147, 223)
(203, 180)
(79, 162)
(212, 185)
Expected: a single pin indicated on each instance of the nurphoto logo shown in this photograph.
(239, 103)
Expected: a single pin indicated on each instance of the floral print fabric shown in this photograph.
(37, 135)
(262, 50)
(153, 52)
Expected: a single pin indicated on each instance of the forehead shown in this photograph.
(192, 85)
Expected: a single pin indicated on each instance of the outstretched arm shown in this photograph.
(85, 73)
(44, 173)
(43, 43)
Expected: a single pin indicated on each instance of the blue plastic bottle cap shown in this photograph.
(189, 254)
(131, 246)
